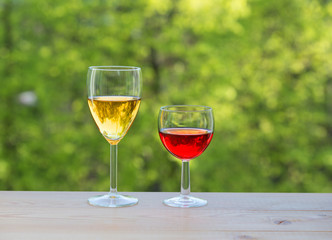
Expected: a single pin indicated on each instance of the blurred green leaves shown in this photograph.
(263, 66)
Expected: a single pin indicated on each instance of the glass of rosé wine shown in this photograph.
(114, 97)
(185, 131)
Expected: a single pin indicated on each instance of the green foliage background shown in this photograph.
(263, 66)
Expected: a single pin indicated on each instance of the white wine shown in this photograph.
(114, 115)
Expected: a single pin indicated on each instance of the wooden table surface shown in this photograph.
(67, 215)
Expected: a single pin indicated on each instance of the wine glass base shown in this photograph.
(185, 202)
(112, 200)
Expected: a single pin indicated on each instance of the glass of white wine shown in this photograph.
(114, 97)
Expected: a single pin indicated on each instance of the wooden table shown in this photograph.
(66, 215)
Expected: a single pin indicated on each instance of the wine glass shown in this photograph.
(185, 131)
(114, 97)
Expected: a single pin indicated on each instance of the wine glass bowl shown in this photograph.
(114, 97)
(185, 131)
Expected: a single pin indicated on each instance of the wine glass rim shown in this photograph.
(114, 68)
(185, 108)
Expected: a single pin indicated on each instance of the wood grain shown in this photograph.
(66, 215)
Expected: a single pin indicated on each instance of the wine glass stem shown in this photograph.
(113, 168)
(185, 179)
